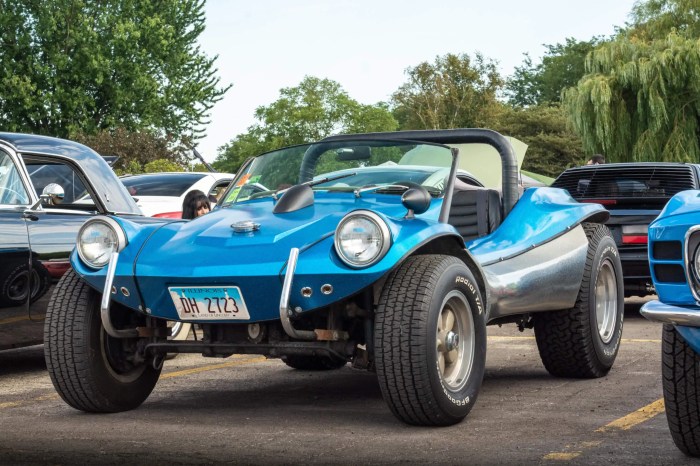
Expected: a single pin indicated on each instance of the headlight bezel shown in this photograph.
(382, 228)
(119, 235)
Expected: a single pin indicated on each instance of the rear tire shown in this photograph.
(90, 370)
(680, 370)
(313, 363)
(582, 342)
(430, 341)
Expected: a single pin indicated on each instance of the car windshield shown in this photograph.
(343, 166)
(162, 184)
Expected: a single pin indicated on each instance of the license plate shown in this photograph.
(209, 303)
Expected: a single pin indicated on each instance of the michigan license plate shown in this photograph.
(209, 303)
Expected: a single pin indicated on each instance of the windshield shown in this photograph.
(161, 184)
(344, 166)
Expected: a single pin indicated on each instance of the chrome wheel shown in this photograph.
(455, 341)
(606, 301)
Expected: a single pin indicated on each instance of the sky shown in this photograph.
(366, 45)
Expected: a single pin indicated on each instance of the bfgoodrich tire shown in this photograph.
(90, 370)
(430, 341)
(680, 369)
(582, 342)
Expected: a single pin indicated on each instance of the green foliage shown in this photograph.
(162, 165)
(562, 66)
(81, 66)
(552, 145)
(314, 109)
(641, 98)
(455, 91)
(134, 149)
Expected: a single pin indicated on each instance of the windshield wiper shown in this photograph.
(314, 183)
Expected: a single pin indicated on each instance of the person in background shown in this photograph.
(195, 204)
(596, 159)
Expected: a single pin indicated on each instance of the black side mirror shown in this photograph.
(416, 200)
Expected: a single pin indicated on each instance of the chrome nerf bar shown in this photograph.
(106, 298)
(285, 311)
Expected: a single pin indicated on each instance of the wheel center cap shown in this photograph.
(451, 341)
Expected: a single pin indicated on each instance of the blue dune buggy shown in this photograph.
(373, 249)
(674, 259)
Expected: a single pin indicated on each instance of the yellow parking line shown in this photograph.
(624, 340)
(169, 375)
(212, 367)
(11, 320)
(623, 423)
(14, 404)
(637, 417)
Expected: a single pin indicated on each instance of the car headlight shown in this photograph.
(98, 239)
(362, 238)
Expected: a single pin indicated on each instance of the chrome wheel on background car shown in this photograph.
(430, 340)
(583, 341)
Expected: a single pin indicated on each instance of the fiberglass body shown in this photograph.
(324, 254)
(538, 240)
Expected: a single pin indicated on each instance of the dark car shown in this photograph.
(634, 194)
(38, 231)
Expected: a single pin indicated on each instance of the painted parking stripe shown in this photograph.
(624, 423)
(635, 418)
(239, 362)
(212, 367)
(624, 340)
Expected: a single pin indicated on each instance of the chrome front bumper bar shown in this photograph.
(106, 298)
(657, 311)
(285, 310)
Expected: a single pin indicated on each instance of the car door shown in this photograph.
(54, 227)
(16, 327)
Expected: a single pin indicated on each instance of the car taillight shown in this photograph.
(634, 234)
(169, 215)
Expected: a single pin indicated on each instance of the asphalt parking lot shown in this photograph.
(250, 410)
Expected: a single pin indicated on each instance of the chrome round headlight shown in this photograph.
(362, 238)
(98, 239)
(696, 263)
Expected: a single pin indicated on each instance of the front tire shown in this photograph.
(90, 370)
(430, 341)
(582, 342)
(680, 369)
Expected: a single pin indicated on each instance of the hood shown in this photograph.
(199, 246)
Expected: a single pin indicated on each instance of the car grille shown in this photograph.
(626, 181)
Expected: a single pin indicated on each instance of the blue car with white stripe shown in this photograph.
(375, 250)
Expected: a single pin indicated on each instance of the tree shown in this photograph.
(455, 91)
(80, 66)
(542, 84)
(640, 100)
(552, 145)
(134, 149)
(313, 110)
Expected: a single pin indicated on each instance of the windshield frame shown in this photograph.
(314, 151)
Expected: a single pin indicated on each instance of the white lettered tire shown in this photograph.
(430, 340)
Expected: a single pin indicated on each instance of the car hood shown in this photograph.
(200, 246)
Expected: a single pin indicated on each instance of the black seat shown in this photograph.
(475, 211)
